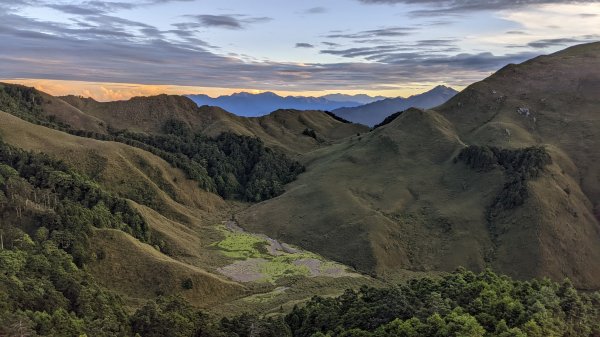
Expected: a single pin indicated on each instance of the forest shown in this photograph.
(519, 167)
(239, 167)
(388, 119)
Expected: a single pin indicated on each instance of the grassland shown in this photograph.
(258, 258)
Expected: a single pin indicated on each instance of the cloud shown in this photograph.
(102, 7)
(436, 43)
(103, 47)
(546, 43)
(454, 7)
(316, 10)
(449, 6)
(381, 52)
(382, 32)
(76, 9)
(304, 45)
(363, 51)
(63, 54)
(223, 21)
(11, 5)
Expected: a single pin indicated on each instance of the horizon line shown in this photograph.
(111, 91)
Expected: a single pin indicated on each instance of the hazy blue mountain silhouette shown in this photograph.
(253, 105)
(360, 98)
(374, 113)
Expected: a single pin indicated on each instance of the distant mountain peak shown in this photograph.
(442, 87)
(376, 112)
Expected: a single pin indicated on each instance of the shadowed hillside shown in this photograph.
(408, 196)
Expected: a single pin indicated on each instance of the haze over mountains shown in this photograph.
(375, 112)
(255, 105)
(358, 98)
(362, 109)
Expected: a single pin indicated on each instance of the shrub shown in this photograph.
(310, 133)
(187, 284)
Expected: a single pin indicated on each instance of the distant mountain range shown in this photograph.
(362, 109)
(360, 98)
(255, 105)
(375, 112)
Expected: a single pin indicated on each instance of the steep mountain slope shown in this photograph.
(256, 105)
(398, 198)
(373, 113)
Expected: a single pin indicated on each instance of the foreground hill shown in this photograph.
(375, 112)
(463, 185)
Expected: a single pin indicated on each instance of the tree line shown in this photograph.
(461, 304)
(519, 167)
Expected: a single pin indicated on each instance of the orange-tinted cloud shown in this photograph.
(122, 91)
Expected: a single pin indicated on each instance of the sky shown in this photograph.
(113, 50)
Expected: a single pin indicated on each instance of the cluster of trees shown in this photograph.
(460, 304)
(234, 166)
(39, 192)
(388, 119)
(47, 215)
(527, 162)
(337, 118)
(173, 317)
(520, 166)
(310, 133)
(26, 103)
(19, 99)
